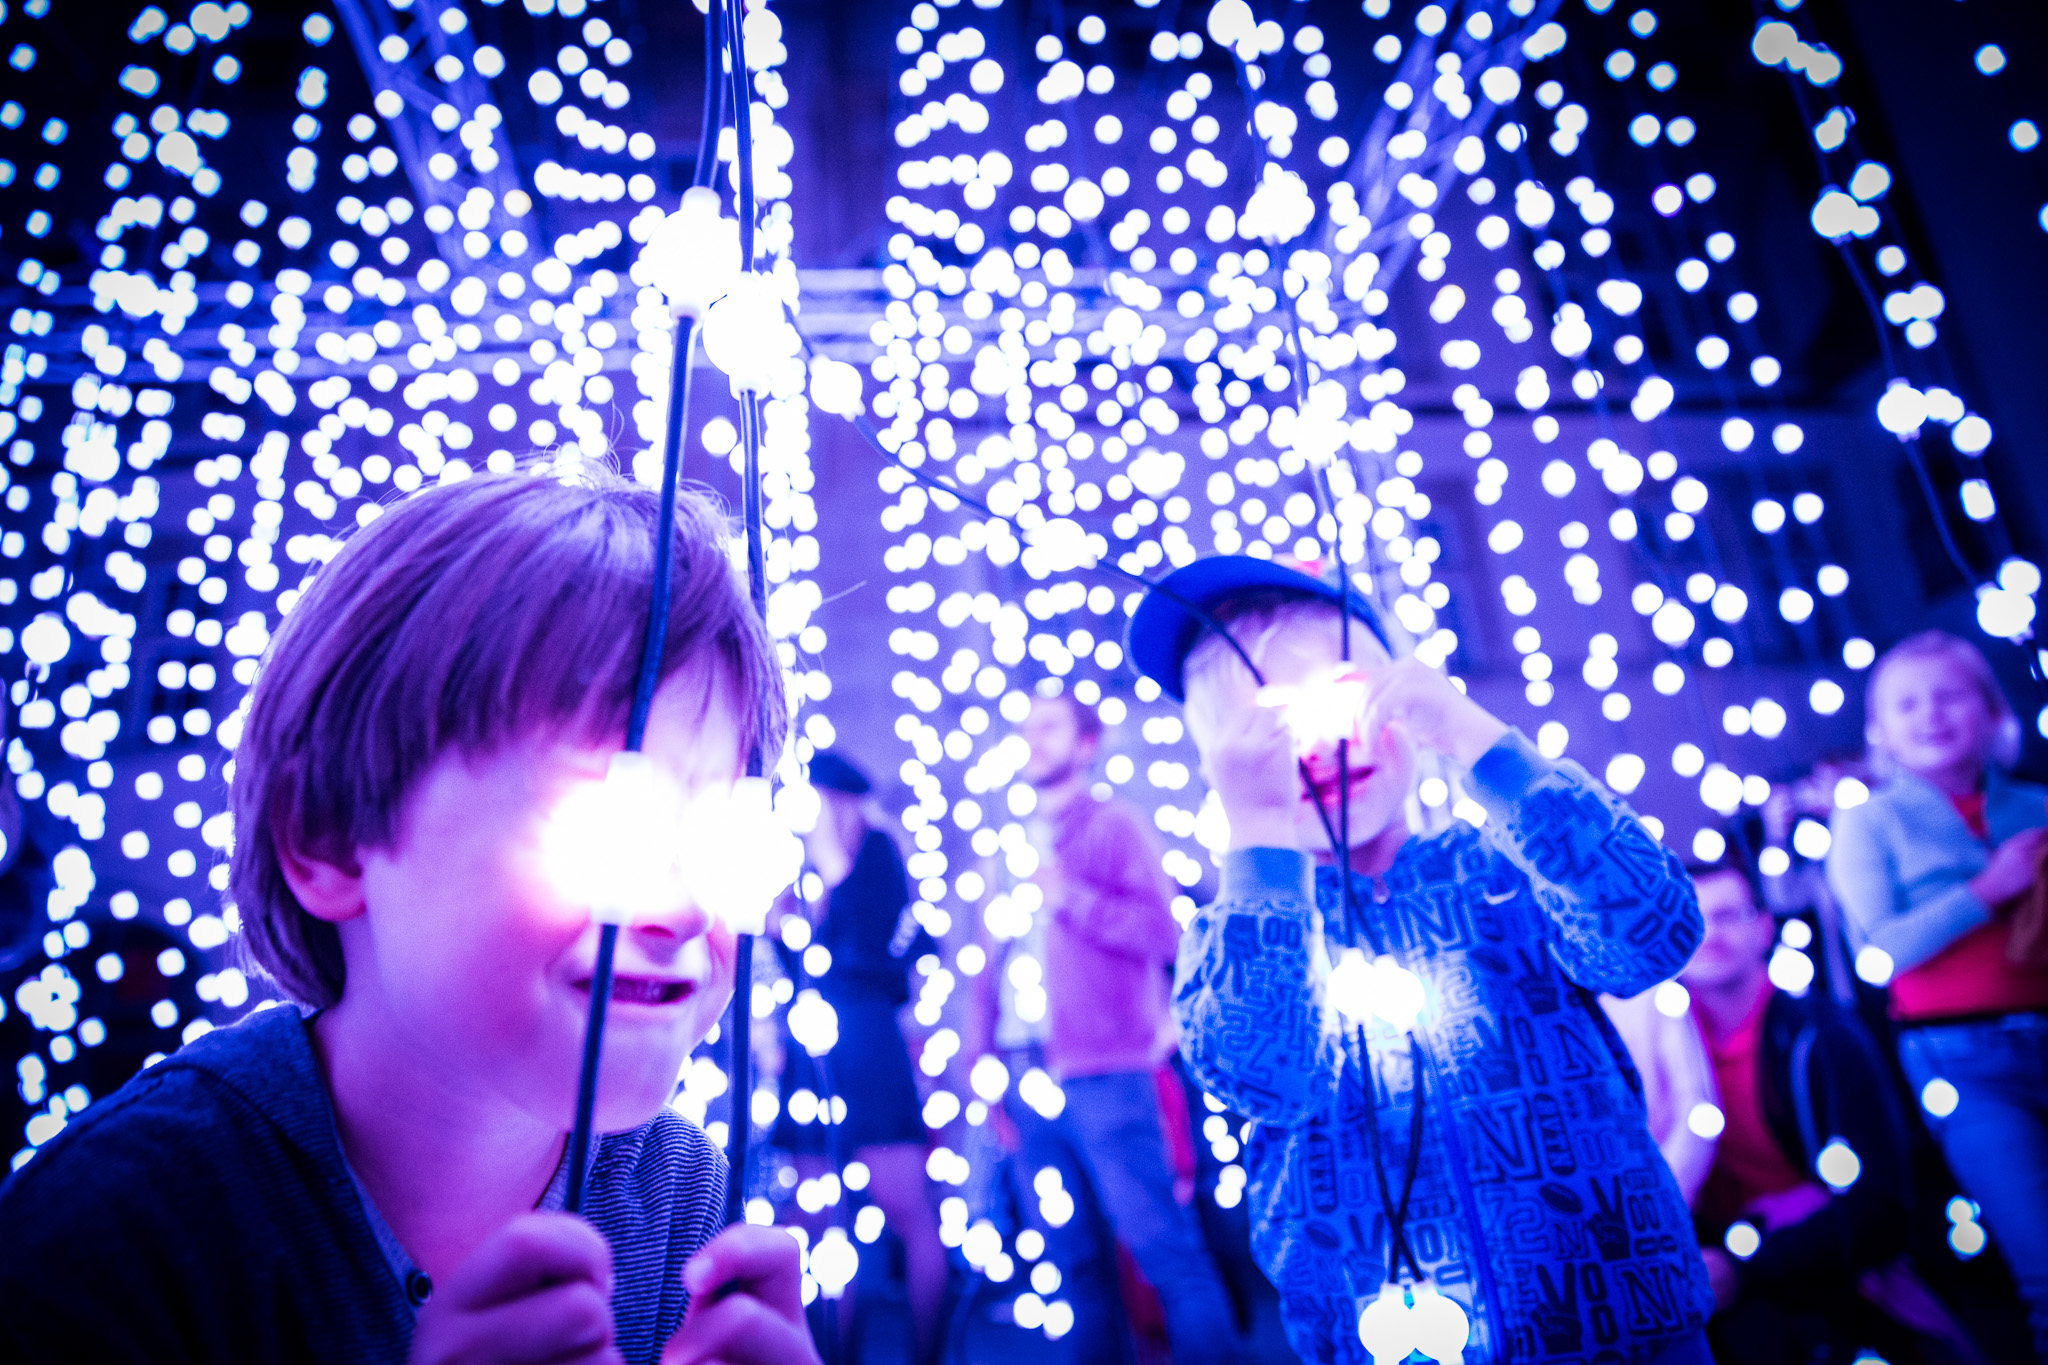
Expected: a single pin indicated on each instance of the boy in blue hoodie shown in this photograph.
(1494, 1154)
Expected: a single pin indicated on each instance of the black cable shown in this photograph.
(1398, 1249)
(659, 596)
(586, 1081)
(741, 1134)
(706, 169)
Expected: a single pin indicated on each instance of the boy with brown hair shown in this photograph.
(384, 1173)
(1449, 1149)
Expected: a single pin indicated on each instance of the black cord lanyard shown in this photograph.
(1398, 1249)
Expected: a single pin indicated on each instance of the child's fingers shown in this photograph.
(532, 1252)
(760, 1262)
(740, 1330)
(565, 1322)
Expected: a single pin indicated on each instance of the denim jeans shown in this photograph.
(1111, 1151)
(1996, 1141)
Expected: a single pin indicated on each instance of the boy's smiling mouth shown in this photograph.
(645, 990)
(1330, 788)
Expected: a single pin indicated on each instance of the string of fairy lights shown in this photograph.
(1094, 332)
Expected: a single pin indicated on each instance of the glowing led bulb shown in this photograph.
(1403, 1321)
(1382, 989)
(738, 855)
(45, 640)
(1231, 21)
(693, 254)
(1940, 1097)
(611, 845)
(990, 1078)
(1706, 1120)
(813, 1022)
(1838, 1165)
(1059, 545)
(1440, 1326)
(833, 1262)
(1321, 710)
(836, 387)
(745, 333)
(1384, 1327)
(629, 847)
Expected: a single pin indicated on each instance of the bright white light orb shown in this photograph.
(745, 333)
(45, 639)
(1231, 21)
(836, 387)
(1439, 1325)
(611, 846)
(813, 1022)
(1874, 965)
(1838, 1165)
(1706, 1121)
(1384, 1328)
(834, 1262)
(990, 1078)
(1742, 1240)
(2006, 615)
(1940, 1097)
(1382, 988)
(1971, 435)
(1790, 970)
(693, 254)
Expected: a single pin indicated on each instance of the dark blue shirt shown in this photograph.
(204, 1212)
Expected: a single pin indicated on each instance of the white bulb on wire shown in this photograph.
(693, 254)
(1384, 1327)
(746, 334)
(629, 847)
(813, 1022)
(45, 639)
(834, 1262)
(1382, 989)
(612, 845)
(836, 387)
(1402, 1321)
(738, 854)
(1440, 1326)
(1322, 708)
(1902, 409)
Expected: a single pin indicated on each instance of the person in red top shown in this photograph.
(1802, 1216)
(1099, 956)
(1929, 872)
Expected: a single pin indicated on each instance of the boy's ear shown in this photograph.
(326, 890)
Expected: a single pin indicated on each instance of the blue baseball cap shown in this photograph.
(1169, 622)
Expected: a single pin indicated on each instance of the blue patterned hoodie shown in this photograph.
(1541, 1204)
